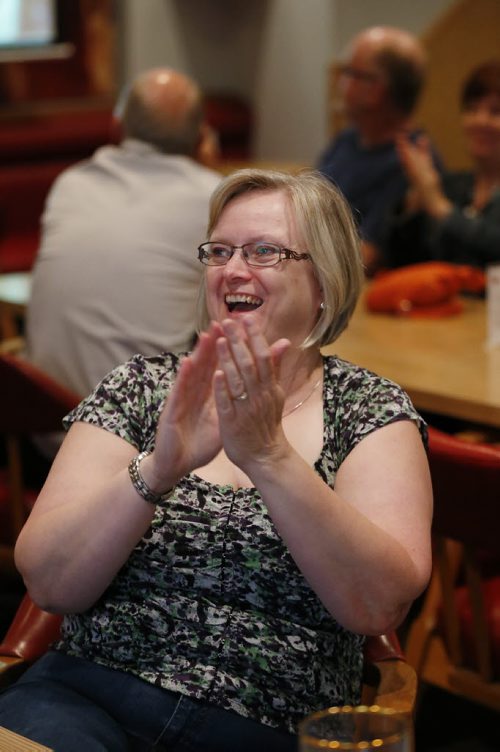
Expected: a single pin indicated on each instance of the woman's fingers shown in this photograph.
(222, 394)
(247, 366)
(234, 380)
(262, 354)
(254, 358)
(239, 353)
(193, 385)
(249, 350)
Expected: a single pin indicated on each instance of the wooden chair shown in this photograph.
(454, 643)
(28, 638)
(388, 681)
(30, 402)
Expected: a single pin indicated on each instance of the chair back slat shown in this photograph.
(447, 560)
(480, 631)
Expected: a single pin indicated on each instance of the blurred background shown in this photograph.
(265, 66)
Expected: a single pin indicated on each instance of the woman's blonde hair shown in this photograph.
(327, 229)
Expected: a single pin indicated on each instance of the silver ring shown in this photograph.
(242, 396)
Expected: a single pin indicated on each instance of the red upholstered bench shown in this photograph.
(23, 189)
(33, 151)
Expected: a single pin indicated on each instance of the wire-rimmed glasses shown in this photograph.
(352, 71)
(255, 254)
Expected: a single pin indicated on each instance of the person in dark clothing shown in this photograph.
(454, 217)
(381, 77)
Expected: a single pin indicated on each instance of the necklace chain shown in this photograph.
(299, 404)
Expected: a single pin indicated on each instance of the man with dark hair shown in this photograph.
(117, 271)
(381, 77)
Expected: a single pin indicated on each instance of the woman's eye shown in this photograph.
(265, 250)
(219, 251)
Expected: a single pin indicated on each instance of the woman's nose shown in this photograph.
(237, 264)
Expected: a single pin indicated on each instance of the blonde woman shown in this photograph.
(221, 530)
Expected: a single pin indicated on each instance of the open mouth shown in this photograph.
(242, 303)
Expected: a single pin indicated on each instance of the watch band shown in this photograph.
(140, 484)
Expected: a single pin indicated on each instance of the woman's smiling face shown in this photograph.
(481, 124)
(284, 298)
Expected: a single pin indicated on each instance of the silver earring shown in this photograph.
(322, 306)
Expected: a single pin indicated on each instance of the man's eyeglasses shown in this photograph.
(353, 72)
(255, 254)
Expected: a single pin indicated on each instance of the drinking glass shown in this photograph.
(364, 727)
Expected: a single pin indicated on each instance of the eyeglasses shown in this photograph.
(352, 72)
(254, 254)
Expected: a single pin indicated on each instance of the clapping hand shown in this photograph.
(188, 429)
(425, 193)
(205, 410)
(248, 393)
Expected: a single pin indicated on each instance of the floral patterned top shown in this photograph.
(210, 602)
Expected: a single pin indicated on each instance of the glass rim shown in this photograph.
(346, 69)
(202, 248)
(282, 253)
(367, 710)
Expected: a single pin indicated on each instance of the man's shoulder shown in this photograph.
(205, 174)
(349, 135)
(342, 145)
(144, 158)
(102, 154)
(345, 138)
(125, 165)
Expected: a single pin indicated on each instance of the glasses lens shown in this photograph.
(357, 73)
(216, 254)
(262, 254)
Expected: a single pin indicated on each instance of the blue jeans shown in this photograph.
(74, 705)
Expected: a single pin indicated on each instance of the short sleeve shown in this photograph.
(128, 401)
(361, 402)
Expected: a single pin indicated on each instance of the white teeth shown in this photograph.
(248, 299)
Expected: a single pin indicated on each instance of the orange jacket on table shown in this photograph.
(428, 289)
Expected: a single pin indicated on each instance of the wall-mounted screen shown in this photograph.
(31, 29)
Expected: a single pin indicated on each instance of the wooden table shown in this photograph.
(15, 289)
(443, 364)
(226, 167)
(10, 742)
